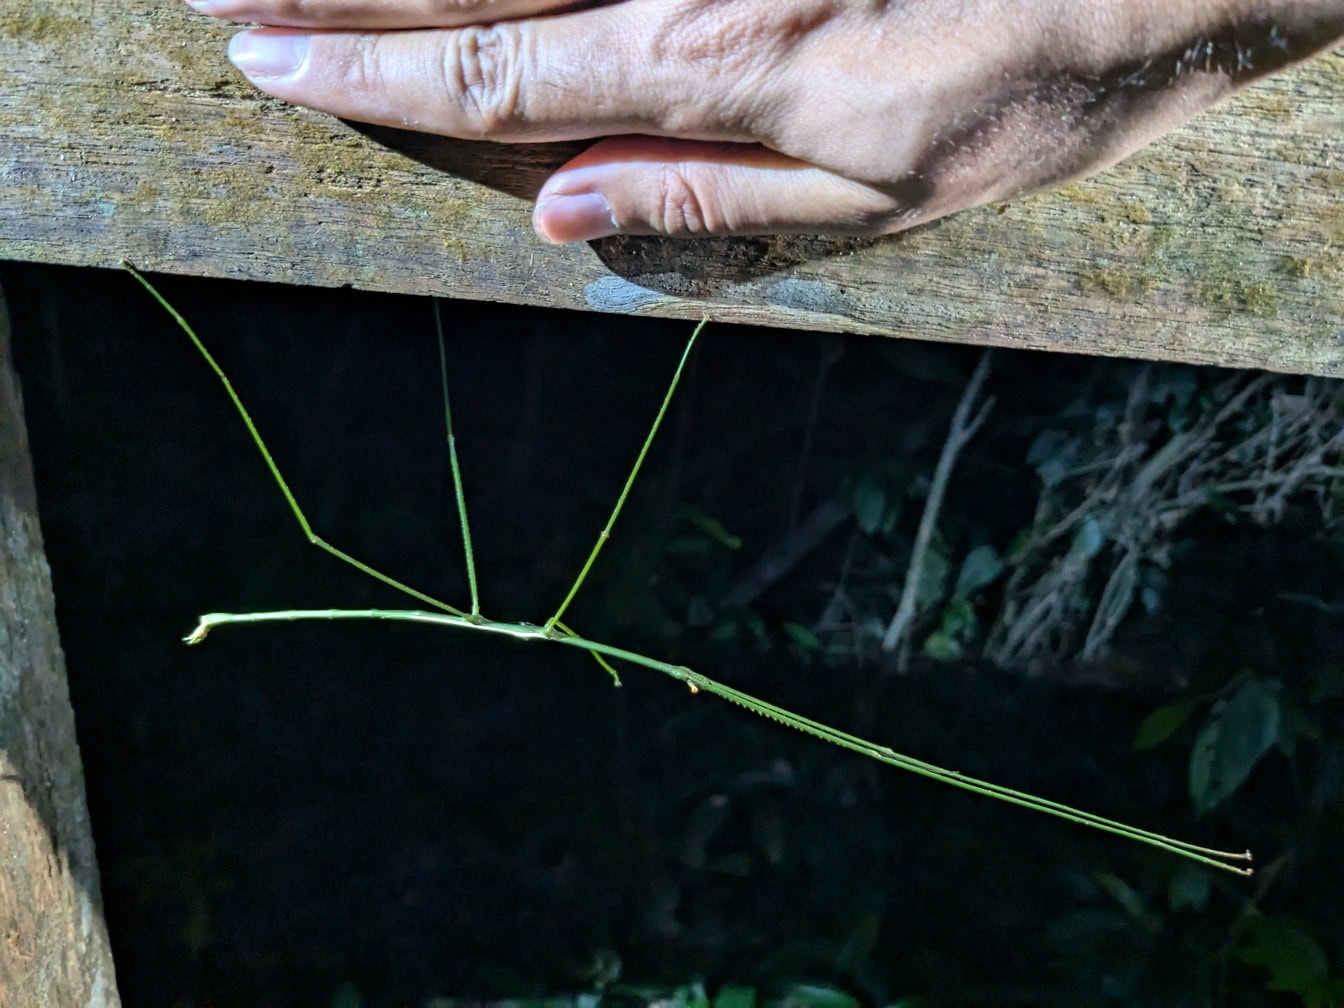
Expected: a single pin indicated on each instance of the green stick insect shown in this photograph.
(555, 631)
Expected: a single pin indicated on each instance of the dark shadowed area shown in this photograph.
(383, 814)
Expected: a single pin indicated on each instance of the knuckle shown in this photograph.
(362, 70)
(680, 208)
(482, 71)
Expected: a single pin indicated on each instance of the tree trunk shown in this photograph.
(54, 948)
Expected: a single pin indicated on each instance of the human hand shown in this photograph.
(760, 116)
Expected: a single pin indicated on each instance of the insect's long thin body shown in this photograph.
(555, 631)
(698, 681)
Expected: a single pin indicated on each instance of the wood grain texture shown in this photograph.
(127, 134)
(53, 943)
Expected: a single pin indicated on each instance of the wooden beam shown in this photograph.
(129, 135)
(53, 942)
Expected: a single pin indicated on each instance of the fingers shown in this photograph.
(375, 14)
(652, 185)
(573, 76)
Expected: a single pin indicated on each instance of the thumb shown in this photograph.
(692, 188)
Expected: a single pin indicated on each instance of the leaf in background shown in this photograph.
(1294, 958)
(1237, 734)
(933, 576)
(941, 647)
(981, 566)
(1089, 539)
(1203, 754)
(814, 995)
(1019, 544)
(1153, 583)
(735, 997)
(959, 619)
(1163, 723)
(1051, 454)
(802, 636)
(1295, 723)
(714, 529)
(1123, 893)
(870, 502)
(723, 631)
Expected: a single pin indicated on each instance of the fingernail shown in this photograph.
(583, 217)
(268, 54)
(207, 6)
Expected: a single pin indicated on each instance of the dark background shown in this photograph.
(289, 813)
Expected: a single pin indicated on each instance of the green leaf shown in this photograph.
(959, 620)
(723, 631)
(735, 997)
(1295, 723)
(802, 636)
(1202, 757)
(1123, 893)
(981, 566)
(1019, 544)
(714, 529)
(1163, 723)
(870, 502)
(1237, 734)
(933, 576)
(814, 995)
(1294, 958)
(941, 646)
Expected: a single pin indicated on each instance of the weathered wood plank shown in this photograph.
(129, 135)
(53, 942)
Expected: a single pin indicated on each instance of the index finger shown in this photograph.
(596, 72)
(371, 14)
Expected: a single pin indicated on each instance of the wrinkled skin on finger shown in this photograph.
(748, 116)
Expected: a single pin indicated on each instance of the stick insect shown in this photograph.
(555, 631)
